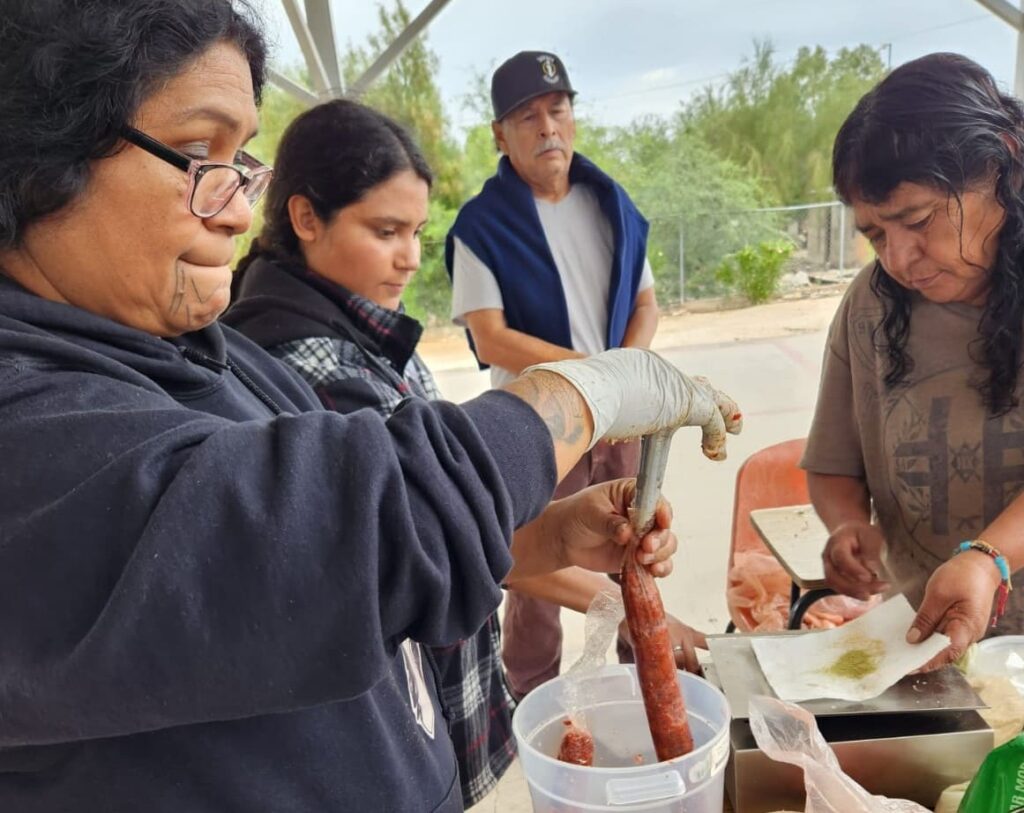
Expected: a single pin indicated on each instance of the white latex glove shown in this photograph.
(633, 392)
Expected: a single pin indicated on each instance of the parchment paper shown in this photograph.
(857, 661)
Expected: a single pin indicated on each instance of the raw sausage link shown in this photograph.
(577, 745)
(655, 664)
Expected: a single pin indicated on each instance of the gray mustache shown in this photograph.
(549, 144)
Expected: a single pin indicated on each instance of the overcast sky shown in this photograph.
(633, 57)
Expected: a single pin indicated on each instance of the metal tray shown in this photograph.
(738, 672)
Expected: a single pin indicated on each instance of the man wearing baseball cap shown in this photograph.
(549, 262)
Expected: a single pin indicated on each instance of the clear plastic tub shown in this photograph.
(626, 775)
(1001, 655)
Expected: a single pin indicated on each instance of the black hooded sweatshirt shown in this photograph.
(205, 578)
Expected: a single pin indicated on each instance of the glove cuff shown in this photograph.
(591, 382)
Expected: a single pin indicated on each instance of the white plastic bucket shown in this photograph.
(626, 775)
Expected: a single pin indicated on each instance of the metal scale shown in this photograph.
(911, 742)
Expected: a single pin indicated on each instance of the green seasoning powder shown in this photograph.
(859, 661)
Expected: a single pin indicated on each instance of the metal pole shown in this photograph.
(1015, 17)
(307, 45)
(1004, 10)
(842, 237)
(394, 50)
(292, 87)
(682, 264)
(1018, 73)
(320, 21)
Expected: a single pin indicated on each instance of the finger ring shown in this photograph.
(678, 648)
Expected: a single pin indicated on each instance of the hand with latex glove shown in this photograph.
(633, 392)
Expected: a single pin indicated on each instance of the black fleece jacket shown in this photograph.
(201, 601)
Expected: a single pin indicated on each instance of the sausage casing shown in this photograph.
(577, 745)
(655, 663)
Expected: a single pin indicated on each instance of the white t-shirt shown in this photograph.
(582, 244)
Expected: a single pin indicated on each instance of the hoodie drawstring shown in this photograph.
(210, 363)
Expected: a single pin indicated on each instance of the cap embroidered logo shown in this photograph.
(548, 69)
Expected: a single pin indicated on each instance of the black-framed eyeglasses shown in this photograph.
(211, 186)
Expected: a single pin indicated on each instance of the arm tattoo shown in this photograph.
(557, 404)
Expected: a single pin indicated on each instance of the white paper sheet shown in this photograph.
(857, 661)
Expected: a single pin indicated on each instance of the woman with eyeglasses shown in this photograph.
(205, 577)
(914, 457)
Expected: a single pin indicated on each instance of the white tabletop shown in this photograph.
(797, 537)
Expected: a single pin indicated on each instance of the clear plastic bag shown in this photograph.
(759, 595)
(788, 733)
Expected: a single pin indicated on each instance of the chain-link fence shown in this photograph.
(688, 252)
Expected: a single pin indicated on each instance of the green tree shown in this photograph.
(684, 189)
(755, 270)
(408, 93)
(780, 121)
(479, 152)
(276, 112)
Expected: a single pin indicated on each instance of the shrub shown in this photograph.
(755, 270)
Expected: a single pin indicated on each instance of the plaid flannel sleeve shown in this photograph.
(339, 374)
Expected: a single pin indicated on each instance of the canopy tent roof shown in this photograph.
(314, 29)
(315, 32)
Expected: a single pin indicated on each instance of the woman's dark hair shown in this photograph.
(332, 154)
(940, 121)
(73, 73)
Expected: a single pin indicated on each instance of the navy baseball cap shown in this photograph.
(525, 76)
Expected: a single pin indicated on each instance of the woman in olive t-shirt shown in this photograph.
(917, 444)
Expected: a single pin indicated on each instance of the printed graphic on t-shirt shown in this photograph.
(939, 469)
(952, 470)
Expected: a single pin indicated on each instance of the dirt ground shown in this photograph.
(699, 323)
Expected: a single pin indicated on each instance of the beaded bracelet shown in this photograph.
(1003, 593)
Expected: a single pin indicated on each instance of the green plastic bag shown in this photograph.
(999, 785)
